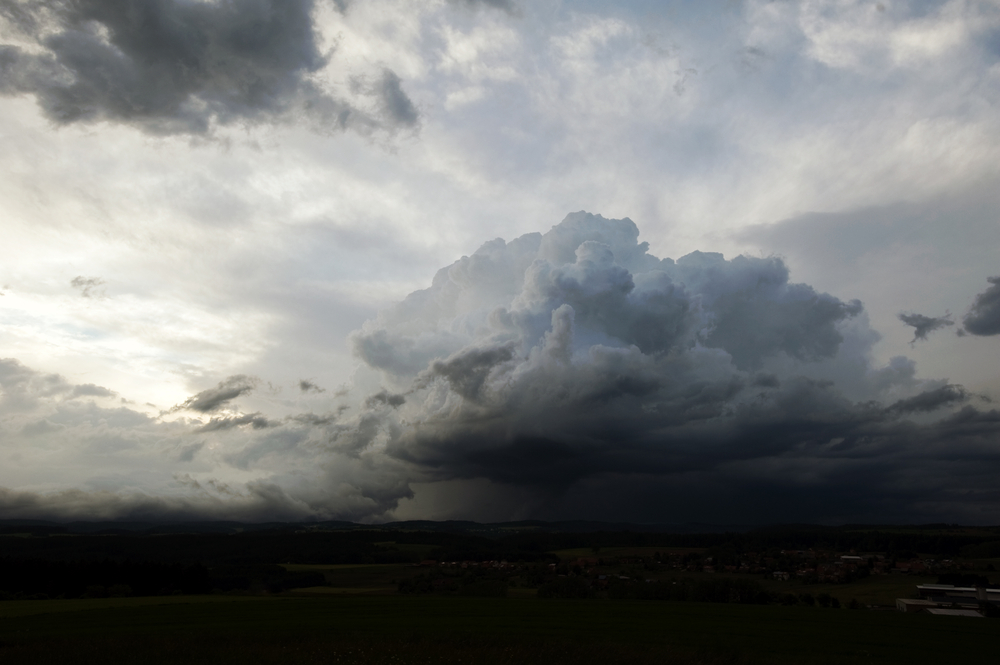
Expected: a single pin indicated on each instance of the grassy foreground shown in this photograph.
(393, 629)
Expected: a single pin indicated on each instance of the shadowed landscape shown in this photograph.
(529, 592)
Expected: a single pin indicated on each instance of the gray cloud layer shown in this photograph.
(168, 66)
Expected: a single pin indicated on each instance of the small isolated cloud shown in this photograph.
(924, 325)
(307, 386)
(88, 286)
(984, 316)
(215, 398)
(178, 67)
(254, 420)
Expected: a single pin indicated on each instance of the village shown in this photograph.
(812, 577)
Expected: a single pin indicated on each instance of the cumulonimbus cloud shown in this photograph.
(169, 66)
(575, 357)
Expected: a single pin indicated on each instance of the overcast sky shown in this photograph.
(729, 261)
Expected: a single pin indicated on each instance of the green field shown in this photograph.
(394, 629)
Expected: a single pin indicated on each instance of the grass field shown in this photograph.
(393, 629)
(880, 590)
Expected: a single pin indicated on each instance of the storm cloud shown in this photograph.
(170, 66)
(984, 316)
(576, 358)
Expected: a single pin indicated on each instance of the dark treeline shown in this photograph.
(267, 547)
(381, 546)
(40, 579)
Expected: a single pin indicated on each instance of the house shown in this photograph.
(949, 593)
(949, 600)
(911, 605)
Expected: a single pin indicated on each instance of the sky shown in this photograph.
(730, 261)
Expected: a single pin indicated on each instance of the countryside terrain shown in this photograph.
(461, 592)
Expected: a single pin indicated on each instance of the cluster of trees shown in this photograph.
(987, 550)
(897, 543)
